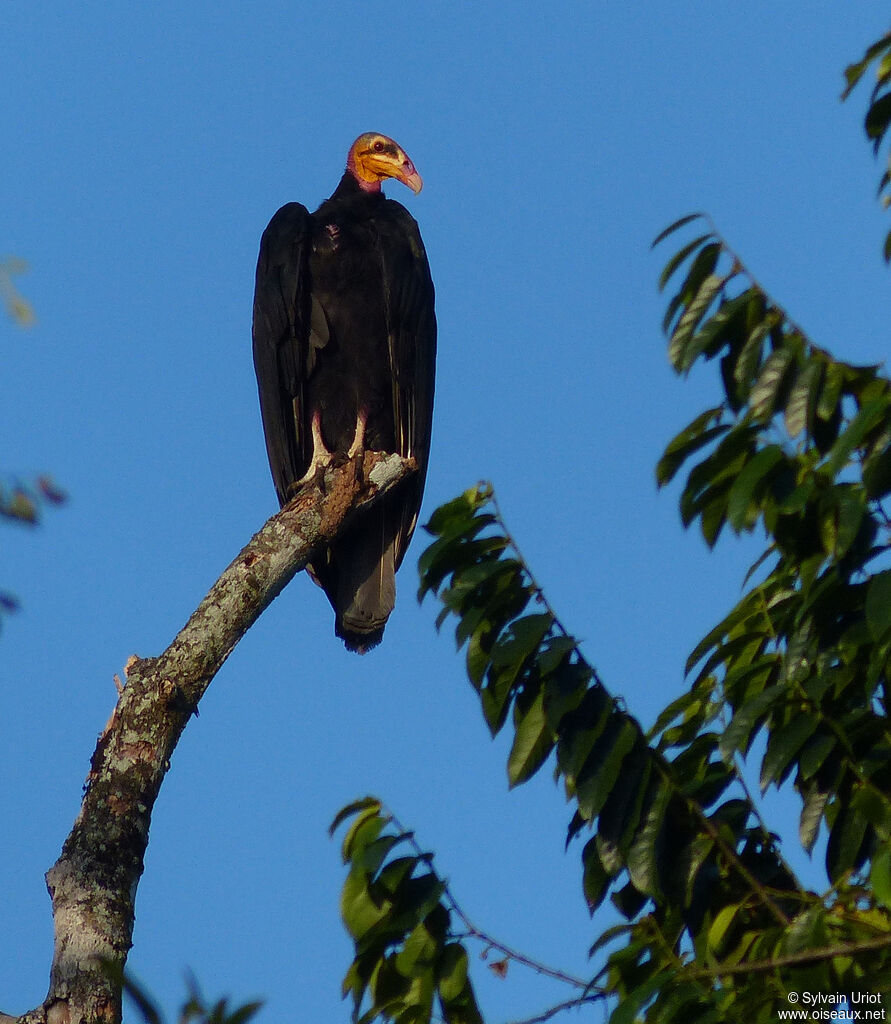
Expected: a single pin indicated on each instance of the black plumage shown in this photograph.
(344, 337)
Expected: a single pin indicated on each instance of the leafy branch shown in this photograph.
(800, 446)
(878, 114)
(400, 913)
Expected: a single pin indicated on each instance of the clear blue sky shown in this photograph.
(145, 147)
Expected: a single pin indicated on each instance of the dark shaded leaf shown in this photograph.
(679, 258)
(877, 474)
(676, 225)
(740, 514)
(689, 440)
(783, 744)
(602, 767)
(853, 436)
(595, 878)
(452, 971)
(645, 854)
(533, 742)
(620, 816)
(878, 604)
(521, 639)
(844, 851)
(738, 735)
(815, 752)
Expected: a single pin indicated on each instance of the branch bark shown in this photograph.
(93, 883)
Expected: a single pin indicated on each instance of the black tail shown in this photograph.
(359, 578)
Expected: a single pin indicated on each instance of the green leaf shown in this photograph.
(783, 744)
(880, 876)
(842, 511)
(740, 512)
(620, 816)
(533, 742)
(867, 418)
(688, 441)
(418, 952)
(844, 851)
(580, 730)
(811, 816)
(367, 803)
(878, 118)
(694, 857)
(878, 604)
(722, 328)
(701, 268)
(746, 368)
(645, 854)
(854, 72)
(478, 649)
(359, 911)
(364, 830)
(679, 344)
(564, 690)
(815, 752)
(877, 474)
(802, 404)
(628, 1007)
(720, 926)
(521, 639)
(601, 769)
(765, 393)
(595, 878)
(834, 381)
(679, 258)
(679, 223)
(459, 510)
(452, 971)
(738, 734)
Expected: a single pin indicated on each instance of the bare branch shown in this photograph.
(93, 884)
(570, 1004)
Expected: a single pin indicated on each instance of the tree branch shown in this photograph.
(570, 1004)
(93, 883)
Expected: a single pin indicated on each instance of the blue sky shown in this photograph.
(145, 149)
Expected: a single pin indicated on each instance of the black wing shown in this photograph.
(411, 325)
(282, 349)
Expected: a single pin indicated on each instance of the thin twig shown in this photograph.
(554, 1010)
(487, 940)
(807, 956)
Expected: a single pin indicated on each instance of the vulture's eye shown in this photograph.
(378, 146)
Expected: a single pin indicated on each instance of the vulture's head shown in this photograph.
(375, 157)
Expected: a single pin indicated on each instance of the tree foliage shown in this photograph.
(396, 910)
(878, 114)
(717, 925)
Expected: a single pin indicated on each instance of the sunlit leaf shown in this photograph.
(765, 393)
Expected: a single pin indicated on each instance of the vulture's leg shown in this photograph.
(321, 457)
(358, 445)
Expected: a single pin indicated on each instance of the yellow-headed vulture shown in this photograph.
(344, 350)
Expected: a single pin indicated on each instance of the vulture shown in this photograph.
(344, 342)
